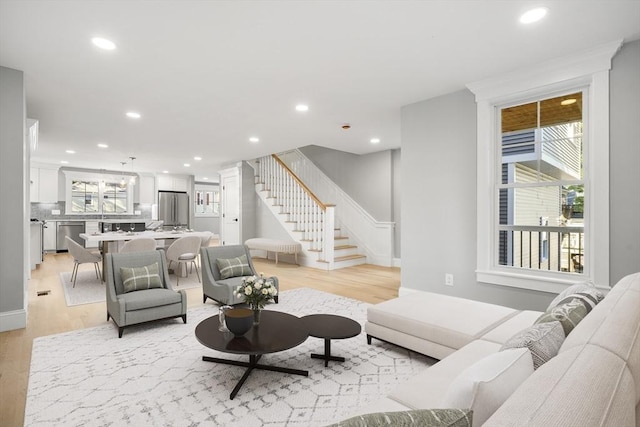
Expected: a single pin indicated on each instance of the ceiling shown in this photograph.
(208, 75)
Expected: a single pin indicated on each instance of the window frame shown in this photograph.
(100, 178)
(588, 70)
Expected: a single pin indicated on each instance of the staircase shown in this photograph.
(305, 218)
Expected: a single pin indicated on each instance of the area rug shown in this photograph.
(155, 376)
(89, 289)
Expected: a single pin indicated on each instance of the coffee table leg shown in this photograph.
(327, 354)
(253, 364)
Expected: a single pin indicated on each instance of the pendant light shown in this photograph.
(132, 181)
(123, 183)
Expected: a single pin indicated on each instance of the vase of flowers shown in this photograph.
(256, 291)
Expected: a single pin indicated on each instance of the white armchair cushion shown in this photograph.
(484, 386)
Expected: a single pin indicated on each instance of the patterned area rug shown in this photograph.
(154, 375)
(89, 289)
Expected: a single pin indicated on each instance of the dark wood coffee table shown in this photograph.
(331, 327)
(276, 332)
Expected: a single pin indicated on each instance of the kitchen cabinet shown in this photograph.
(173, 183)
(91, 227)
(35, 244)
(49, 236)
(147, 189)
(44, 185)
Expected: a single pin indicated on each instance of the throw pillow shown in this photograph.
(141, 278)
(234, 267)
(587, 287)
(543, 341)
(568, 314)
(484, 386)
(416, 417)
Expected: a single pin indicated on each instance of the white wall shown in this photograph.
(14, 191)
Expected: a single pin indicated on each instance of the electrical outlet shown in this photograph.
(448, 279)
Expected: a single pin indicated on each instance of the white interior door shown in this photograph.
(230, 232)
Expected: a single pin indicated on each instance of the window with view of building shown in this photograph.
(541, 221)
(90, 193)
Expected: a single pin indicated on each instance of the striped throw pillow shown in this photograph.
(568, 314)
(543, 341)
(415, 417)
(234, 267)
(141, 278)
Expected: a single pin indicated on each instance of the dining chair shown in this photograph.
(184, 251)
(139, 245)
(82, 256)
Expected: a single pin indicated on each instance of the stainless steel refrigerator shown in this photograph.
(173, 208)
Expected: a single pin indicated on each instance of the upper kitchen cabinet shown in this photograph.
(174, 183)
(44, 184)
(146, 189)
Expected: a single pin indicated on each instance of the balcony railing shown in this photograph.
(542, 247)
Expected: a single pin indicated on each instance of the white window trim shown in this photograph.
(70, 176)
(591, 70)
(206, 187)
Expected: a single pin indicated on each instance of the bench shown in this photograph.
(276, 246)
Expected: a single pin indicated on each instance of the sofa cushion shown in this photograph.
(450, 321)
(584, 386)
(425, 390)
(512, 326)
(234, 267)
(543, 341)
(141, 300)
(417, 418)
(568, 314)
(140, 278)
(574, 289)
(486, 384)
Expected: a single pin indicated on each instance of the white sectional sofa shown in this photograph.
(594, 380)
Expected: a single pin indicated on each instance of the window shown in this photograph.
(541, 168)
(543, 174)
(89, 193)
(207, 201)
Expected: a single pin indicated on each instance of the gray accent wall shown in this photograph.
(624, 158)
(14, 189)
(366, 178)
(439, 191)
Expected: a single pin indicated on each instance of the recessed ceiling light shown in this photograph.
(64, 162)
(70, 152)
(103, 145)
(103, 43)
(375, 140)
(205, 178)
(533, 15)
(568, 101)
(254, 139)
(165, 171)
(197, 158)
(302, 107)
(133, 115)
(187, 165)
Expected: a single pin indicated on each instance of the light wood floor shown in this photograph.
(50, 315)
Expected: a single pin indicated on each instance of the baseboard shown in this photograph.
(11, 320)
(407, 291)
(396, 262)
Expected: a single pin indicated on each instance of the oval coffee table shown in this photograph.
(276, 332)
(330, 326)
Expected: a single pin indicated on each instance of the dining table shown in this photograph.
(110, 240)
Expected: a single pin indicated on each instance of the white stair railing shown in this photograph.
(375, 238)
(312, 217)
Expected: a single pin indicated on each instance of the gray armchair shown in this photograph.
(130, 308)
(216, 288)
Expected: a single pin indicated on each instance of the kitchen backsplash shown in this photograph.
(42, 211)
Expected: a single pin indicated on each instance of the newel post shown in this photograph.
(328, 240)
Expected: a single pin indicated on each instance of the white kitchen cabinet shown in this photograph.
(173, 183)
(35, 245)
(91, 227)
(146, 189)
(44, 185)
(49, 236)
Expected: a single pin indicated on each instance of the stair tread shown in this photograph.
(344, 258)
(340, 247)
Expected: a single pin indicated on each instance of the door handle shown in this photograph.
(235, 219)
